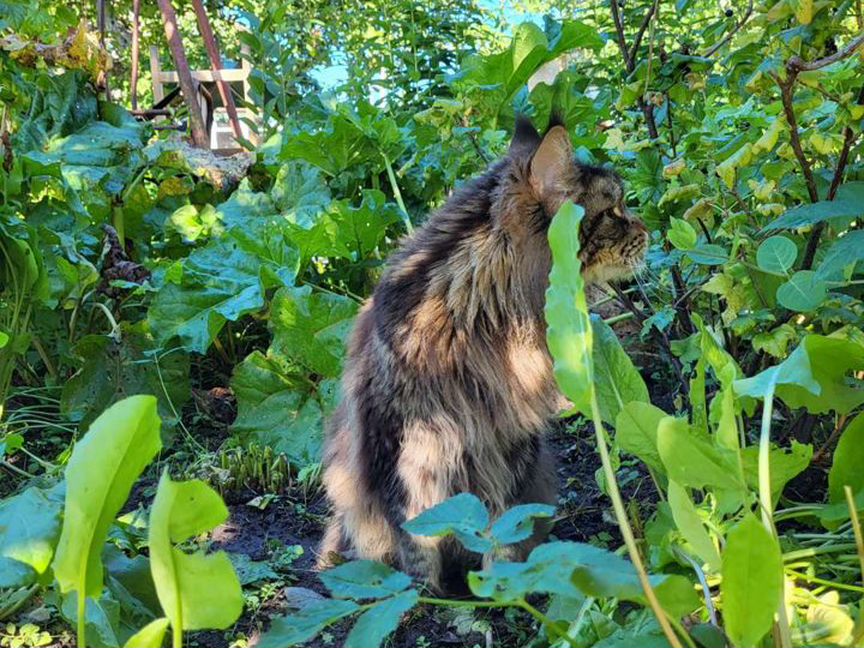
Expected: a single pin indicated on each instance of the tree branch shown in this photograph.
(638, 40)
(619, 32)
(787, 90)
(795, 64)
(711, 52)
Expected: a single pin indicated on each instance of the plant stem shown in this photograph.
(856, 527)
(766, 502)
(397, 194)
(82, 615)
(624, 526)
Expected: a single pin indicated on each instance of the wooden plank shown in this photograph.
(156, 74)
(207, 76)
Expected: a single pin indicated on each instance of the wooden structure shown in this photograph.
(221, 135)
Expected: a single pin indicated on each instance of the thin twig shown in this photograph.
(711, 52)
(639, 34)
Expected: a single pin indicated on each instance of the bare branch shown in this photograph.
(638, 40)
(795, 64)
(787, 89)
(619, 33)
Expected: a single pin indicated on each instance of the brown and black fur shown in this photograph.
(448, 386)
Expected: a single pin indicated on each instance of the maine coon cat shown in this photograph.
(448, 384)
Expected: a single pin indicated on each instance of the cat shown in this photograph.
(448, 383)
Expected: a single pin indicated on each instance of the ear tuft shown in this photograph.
(526, 139)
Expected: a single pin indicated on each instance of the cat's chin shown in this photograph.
(611, 273)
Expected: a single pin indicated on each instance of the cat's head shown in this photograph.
(613, 241)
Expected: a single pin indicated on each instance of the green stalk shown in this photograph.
(82, 615)
(856, 526)
(766, 505)
(624, 526)
(397, 193)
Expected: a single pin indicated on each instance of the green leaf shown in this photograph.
(463, 516)
(848, 459)
(727, 169)
(110, 371)
(222, 282)
(568, 568)
(379, 621)
(803, 293)
(695, 461)
(776, 254)
(784, 465)
(816, 375)
(517, 524)
(708, 254)
(847, 204)
(636, 432)
(341, 230)
(276, 409)
(616, 380)
(847, 251)
(363, 579)
(150, 636)
(569, 331)
(310, 328)
(29, 528)
(691, 527)
(100, 474)
(682, 234)
(197, 591)
(752, 584)
(304, 624)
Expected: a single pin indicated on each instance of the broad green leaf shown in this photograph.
(816, 375)
(362, 579)
(569, 331)
(275, 408)
(110, 371)
(379, 622)
(299, 191)
(101, 618)
(517, 523)
(197, 591)
(310, 328)
(616, 380)
(463, 516)
(776, 254)
(849, 203)
(709, 254)
(691, 526)
(100, 474)
(784, 465)
(848, 461)
(29, 528)
(341, 230)
(803, 293)
(636, 432)
(307, 622)
(222, 282)
(682, 234)
(845, 252)
(752, 584)
(696, 461)
(150, 636)
(568, 568)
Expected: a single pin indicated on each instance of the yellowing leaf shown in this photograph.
(803, 10)
(770, 136)
(726, 169)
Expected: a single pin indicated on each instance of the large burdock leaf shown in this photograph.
(275, 407)
(752, 581)
(149, 636)
(848, 461)
(197, 591)
(569, 333)
(310, 328)
(221, 282)
(104, 466)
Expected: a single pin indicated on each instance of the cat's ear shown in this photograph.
(526, 139)
(552, 162)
